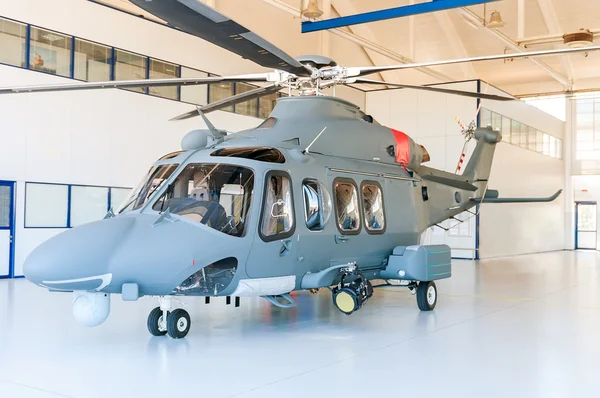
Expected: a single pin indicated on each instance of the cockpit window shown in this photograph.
(153, 181)
(260, 153)
(216, 195)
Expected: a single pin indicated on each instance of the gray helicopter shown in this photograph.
(319, 195)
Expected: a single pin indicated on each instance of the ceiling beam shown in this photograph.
(366, 39)
(390, 13)
(514, 46)
(554, 28)
(458, 46)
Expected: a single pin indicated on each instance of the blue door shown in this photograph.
(7, 228)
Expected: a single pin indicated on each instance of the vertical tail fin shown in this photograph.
(479, 166)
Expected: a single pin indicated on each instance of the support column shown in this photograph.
(568, 158)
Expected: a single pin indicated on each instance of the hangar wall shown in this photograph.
(512, 229)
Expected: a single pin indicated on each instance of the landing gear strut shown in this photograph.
(162, 320)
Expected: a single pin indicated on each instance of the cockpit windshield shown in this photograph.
(216, 195)
(150, 184)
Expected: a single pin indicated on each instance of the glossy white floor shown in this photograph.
(524, 326)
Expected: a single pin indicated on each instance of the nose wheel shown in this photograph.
(162, 320)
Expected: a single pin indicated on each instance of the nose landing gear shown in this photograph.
(162, 320)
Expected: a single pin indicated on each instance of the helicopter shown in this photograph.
(318, 196)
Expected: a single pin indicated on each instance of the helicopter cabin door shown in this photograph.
(274, 250)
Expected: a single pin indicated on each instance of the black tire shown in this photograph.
(426, 296)
(178, 323)
(154, 319)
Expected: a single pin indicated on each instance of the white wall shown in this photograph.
(511, 229)
(429, 118)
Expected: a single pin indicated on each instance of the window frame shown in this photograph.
(335, 206)
(69, 189)
(364, 214)
(292, 231)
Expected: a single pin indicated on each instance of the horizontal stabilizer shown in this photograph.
(517, 200)
(453, 182)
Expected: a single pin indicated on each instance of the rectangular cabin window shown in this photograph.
(373, 207)
(278, 208)
(346, 206)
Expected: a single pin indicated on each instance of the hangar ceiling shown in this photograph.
(442, 35)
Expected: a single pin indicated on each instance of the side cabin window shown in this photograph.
(278, 207)
(317, 204)
(372, 196)
(346, 206)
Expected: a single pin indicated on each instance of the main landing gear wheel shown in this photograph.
(157, 326)
(426, 296)
(178, 323)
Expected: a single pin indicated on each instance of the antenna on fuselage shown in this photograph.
(313, 141)
(215, 132)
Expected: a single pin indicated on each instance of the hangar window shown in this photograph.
(50, 52)
(195, 94)
(130, 66)
(216, 195)
(92, 61)
(373, 207)
(87, 204)
(346, 206)
(278, 207)
(262, 154)
(12, 42)
(266, 103)
(219, 91)
(46, 205)
(163, 70)
(317, 204)
(249, 108)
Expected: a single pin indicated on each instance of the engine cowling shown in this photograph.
(90, 308)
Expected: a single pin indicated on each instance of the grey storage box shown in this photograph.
(419, 263)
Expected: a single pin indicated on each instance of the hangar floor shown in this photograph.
(524, 326)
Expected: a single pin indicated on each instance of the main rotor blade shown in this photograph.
(225, 102)
(200, 20)
(367, 70)
(188, 81)
(435, 89)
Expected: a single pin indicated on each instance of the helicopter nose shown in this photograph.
(77, 259)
